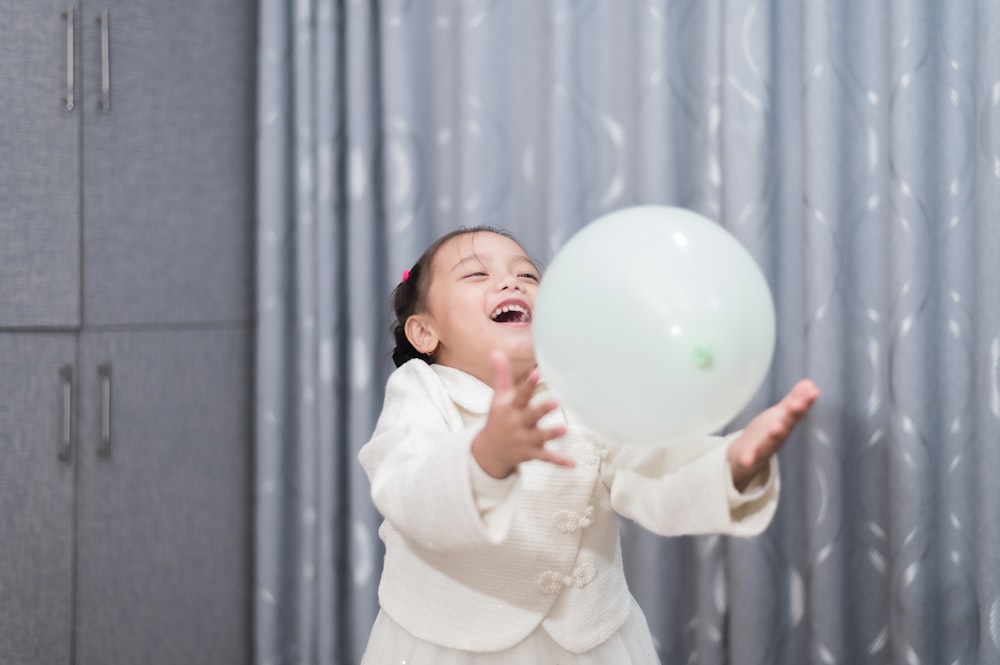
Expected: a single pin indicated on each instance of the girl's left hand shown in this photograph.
(751, 451)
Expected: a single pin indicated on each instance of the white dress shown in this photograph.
(390, 644)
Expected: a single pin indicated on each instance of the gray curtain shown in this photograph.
(853, 147)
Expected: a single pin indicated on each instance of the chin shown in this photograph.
(519, 347)
(522, 354)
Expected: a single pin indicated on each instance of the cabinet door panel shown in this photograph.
(39, 168)
(168, 165)
(36, 493)
(164, 520)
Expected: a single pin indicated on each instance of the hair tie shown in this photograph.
(406, 275)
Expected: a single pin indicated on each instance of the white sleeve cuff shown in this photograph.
(487, 490)
(755, 506)
(756, 489)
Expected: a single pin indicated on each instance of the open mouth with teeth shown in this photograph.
(511, 313)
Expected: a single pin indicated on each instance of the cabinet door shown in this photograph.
(164, 509)
(36, 493)
(39, 166)
(168, 161)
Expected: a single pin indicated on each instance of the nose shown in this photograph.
(510, 282)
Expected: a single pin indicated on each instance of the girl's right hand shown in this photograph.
(512, 434)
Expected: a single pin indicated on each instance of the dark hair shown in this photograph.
(409, 296)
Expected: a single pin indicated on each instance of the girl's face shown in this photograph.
(480, 297)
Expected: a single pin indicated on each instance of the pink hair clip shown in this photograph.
(406, 275)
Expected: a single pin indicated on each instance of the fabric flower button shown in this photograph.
(569, 521)
(552, 581)
(594, 455)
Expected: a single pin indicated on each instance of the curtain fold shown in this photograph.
(853, 148)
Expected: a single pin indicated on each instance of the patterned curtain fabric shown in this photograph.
(853, 147)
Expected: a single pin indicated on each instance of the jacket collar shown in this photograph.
(469, 393)
(466, 391)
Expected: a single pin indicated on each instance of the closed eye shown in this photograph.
(475, 274)
(530, 276)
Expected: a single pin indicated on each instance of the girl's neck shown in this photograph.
(519, 372)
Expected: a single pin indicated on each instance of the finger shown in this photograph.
(792, 410)
(796, 406)
(780, 430)
(546, 455)
(808, 389)
(797, 402)
(502, 380)
(774, 437)
(802, 395)
(748, 457)
(527, 389)
(536, 413)
(551, 433)
(535, 439)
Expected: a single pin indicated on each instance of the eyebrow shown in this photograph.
(479, 259)
(464, 260)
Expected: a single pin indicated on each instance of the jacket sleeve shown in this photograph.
(687, 489)
(417, 462)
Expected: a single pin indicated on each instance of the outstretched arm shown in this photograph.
(750, 452)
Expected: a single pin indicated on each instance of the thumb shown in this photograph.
(748, 457)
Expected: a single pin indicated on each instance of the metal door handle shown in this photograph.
(104, 371)
(70, 51)
(65, 447)
(105, 104)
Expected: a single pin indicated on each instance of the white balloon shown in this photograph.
(653, 324)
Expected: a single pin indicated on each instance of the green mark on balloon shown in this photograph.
(703, 358)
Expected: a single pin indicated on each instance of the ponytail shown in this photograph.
(406, 301)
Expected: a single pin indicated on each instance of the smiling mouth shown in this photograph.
(511, 313)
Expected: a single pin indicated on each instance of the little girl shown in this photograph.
(500, 530)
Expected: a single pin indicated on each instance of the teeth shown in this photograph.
(508, 308)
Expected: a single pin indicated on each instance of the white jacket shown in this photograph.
(476, 563)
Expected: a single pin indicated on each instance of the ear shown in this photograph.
(421, 334)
